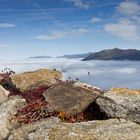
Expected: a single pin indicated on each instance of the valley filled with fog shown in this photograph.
(103, 74)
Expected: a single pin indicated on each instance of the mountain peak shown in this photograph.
(115, 54)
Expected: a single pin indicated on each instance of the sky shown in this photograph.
(57, 27)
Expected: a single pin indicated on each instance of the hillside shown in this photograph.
(115, 54)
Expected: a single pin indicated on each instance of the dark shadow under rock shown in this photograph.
(93, 112)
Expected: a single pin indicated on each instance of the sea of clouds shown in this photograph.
(103, 74)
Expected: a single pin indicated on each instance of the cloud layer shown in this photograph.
(104, 74)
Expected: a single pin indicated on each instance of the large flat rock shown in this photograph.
(29, 80)
(121, 103)
(54, 129)
(70, 97)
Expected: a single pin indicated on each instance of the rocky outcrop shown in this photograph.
(54, 129)
(121, 103)
(70, 98)
(7, 111)
(52, 103)
(3, 94)
(29, 80)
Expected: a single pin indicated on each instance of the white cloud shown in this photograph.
(127, 25)
(123, 29)
(129, 7)
(55, 35)
(4, 45)
(96, 19)
(80, 3)
(80, 31)
(7, 25)
(127, 73)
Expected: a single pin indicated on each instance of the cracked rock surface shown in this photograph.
(54, 129)
(121, 103)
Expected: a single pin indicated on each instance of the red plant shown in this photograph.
(34, 94)
(35, 111)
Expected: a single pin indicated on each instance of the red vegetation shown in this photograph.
(31, 95)
(35, 111)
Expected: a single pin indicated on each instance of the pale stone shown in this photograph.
(3, 94)
(121, 103)
(30, 80)
(53, 129)
(7, 111)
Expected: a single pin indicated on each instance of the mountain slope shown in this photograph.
(115, 54)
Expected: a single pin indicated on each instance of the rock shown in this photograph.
(7, 111)
(53, 129)
(29, 80)
(5, 81)
(70, 98)
(25, 131)
(87, 86)
(3, 94)
(121, 103)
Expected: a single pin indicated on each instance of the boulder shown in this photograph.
(69, 98)
(7, 111)
(121, 103)
(54, 129)
(29, 80)
(3, 94)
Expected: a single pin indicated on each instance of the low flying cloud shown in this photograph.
(123, 29)
(55, 35)
(127, 25)
(7, 25)
(104, 74)
(80, 3)
(129, 7)
(95, 19)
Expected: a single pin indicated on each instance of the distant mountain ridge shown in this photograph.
(41, 56)
(75, 55)
(114, 54)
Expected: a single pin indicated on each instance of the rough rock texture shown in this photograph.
(53, 129)
(29, 80)
(7, 112)
(3, 94)
(121, 103)
(67, 97)
(88, 87)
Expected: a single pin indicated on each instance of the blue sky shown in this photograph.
(58, 27)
